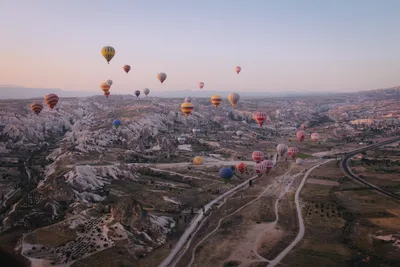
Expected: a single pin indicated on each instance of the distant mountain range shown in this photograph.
(19, 92)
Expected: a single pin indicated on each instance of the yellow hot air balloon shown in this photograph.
(198, 160)
(108, 53)
(187, 108)
(233, 98)
(161, 77)
(216, 100)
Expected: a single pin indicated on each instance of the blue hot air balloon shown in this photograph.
(226, 173)
(116, 123)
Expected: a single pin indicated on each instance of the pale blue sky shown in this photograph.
(280, 45)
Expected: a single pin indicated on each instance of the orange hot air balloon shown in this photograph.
(187, 108)
(126, 68)
(241, 167)
(300, 136)
(51, 100)
(107, 94)
(238, 69)
(198, 160)
(36, 108)
(161, 77)
(260, 118)
(216, 100)
(105, 86)
(234, 98)
(201, 85)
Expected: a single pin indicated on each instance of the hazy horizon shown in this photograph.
(282, 46)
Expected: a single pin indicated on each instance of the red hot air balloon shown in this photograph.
(51, 100)
(260, 118)
(126, 68)
(315, 137)
(300, 136)
(268, 165)
(257, 156)
(292, 152)
(241, 167)
(260, 168)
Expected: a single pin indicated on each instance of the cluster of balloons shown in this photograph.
(301, 135)
(50, 99)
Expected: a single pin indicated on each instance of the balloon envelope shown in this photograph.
(161, 77)
(226, 173)
(108, 53)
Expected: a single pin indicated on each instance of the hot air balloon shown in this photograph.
(36, 108)
(292, 152)
(161, 77)
(226, 127)
(239, 133)
(196, 130)
(304, 126)
(241, 167)
(281, 149)
(238, 69)
(110, 82)
(216, 100)
(300, 136)
(226, 173)
(233, 98)
(315, 137)
(146, 91)
(296, 114)
(260, 168)
(201, 85)
(51, 100)
(126, 68)
(299, 161)
(107, 94)
(268, 165)
(257, 156)
(182, 139)
(105, 86)
(108, 53)
(116, 123)
(137, 93)
(188, 99)
(198, 160)
(260, 118)
(187, 108)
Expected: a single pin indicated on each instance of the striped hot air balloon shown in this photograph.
(161, 77)
(36, 108)
(107, 94)
(108, 53)
(292, 152)
(51, 100)
(257, 156)
(268, 165)
(105, 86)
(241, 167)
(198, 160)
(260, 118)
(126, 68)
(187, 108)
(234, 98)
(260, 168)
(315, 137)
(216, 100)
(300, 136)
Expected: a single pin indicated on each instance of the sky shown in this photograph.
(298, 45)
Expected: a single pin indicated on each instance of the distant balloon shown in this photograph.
(126, 68)
(257, 156)
(105, 86)
(161, 77)
(234, 98)
(201, 85)
(51, 100)
(241, 167)
(137, 93)
(226, 173)
(187, 108)
(107, 94)
(260, 118)
(146, 91)
(299, 161)
(182, 139)
(36, 108)
(216, 100)
(116, 123)
(268, 165)
(198, 160)
(304, 126)
(110, 82)
(196, 130)
(300, 136)
(238, 69)
(239, 133)
(108, 53)
(315, 137)
(281, 149)
(188, 99)
(292, 152)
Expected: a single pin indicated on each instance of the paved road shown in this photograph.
(346, 169)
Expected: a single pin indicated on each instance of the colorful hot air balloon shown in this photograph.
(260, 168)
(268, 165)
(299, 161)
(198, 160)
(137, 93)
(161, 77)
(304, 126)
(182, 139)
(315, 137)
(201, 85)
(226, 174)
(239, 133)
(292, 152)
(281, 149)
(216, 100)
(105, 86)
(196, 130)
(187, 108)
(260, 118)
(108, 53)
(257, 156)
(126, 68)
(241, 167)
(188, 99)
(36, 108)
(238, 69)
(110, 82)
(300, 136)
(107, 94)
(233, 98)
(116, 123)
(146, 91)
(51, 100)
